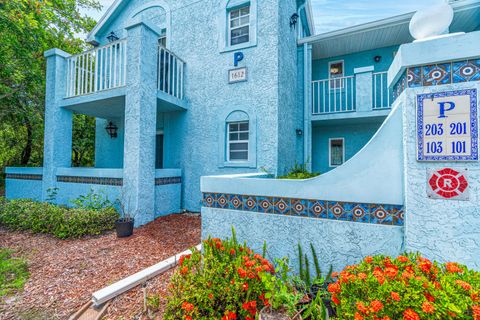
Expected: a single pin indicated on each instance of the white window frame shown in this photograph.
(332, 79)
(229, 25)
(238, 141)
(330, 152)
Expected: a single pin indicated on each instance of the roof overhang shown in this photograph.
(385, 32)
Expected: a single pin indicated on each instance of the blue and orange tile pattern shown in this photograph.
(438, 74)
(382, 214)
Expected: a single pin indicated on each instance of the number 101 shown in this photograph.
(459, 147)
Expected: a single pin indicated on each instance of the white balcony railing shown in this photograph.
(333, 95)
(170, 73)
(382, 95)
(98, 69)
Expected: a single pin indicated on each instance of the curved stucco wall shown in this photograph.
(374, 175)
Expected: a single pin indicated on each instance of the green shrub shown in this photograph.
(300, 172)
(61, 222)
(222, 282)
(13, 272)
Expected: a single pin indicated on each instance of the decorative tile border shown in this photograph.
(20, 176)
(383, 214)
(438, 74)
(91, 180)
(168, 180)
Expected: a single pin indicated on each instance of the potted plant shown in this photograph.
(124, 225)
(281, 297)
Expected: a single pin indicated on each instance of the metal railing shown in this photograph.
(96, 70)
(170, 73)
(333, 95)
(382, 95)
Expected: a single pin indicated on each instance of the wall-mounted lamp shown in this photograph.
(299, 132)
(112, 37)
(111, 129)
(294, 20)
(377, 59)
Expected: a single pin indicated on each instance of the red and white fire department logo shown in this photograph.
(448, 183)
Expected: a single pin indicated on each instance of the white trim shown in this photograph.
(330, 152)
(113, 8)
(223, 27)
(310, 18)
(228, 123)
(364, 69)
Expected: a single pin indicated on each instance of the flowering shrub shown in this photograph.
(222, 282)
(408, 287)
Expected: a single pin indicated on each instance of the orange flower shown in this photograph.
(428, 308)
(376, 305)
(188, 307)
(395, 296)
(245, 286)
(188, 318)
(334, 274)
(229, 316)
(476, 312)
(451, 314)
(368, 259)
(250, 263)
(242, 273)
(362, 276)
(210, 296)
(453, 267)
(429, 297)
(232, 251)
(391, 272)
(409, 314)
(425, 265)
(403, 259)
(334, 288)
(335, 299)
(362, 308)
(358, 316)
(465, 285)
(184, 270)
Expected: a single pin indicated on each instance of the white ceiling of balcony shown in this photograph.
(387, 32)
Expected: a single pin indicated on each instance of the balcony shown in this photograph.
(101, 74)
(361, 95)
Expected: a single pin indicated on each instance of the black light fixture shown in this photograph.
(112, 37)
(294, 20)
(299, 132)
(377, 59)
(111, 130)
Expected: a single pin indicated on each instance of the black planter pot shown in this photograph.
(124, 227)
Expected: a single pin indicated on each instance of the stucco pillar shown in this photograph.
(138, 193)
(363, 88)
(441, 228)
(58, 120)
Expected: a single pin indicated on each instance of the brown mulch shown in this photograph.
(65, 273)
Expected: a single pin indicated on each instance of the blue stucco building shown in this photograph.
(184, 89)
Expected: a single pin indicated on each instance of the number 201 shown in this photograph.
(458, 128)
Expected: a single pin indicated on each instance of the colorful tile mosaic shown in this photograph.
(383, 214)
(169, 180)
(438, 74)
(91, 180)
(19, 176)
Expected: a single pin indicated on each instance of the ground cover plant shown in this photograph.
(13, 272)
(62, 222)
(408, 287)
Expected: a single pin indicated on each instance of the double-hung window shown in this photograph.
(239, 25)
(237, 141)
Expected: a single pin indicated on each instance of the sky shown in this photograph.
(332, 15)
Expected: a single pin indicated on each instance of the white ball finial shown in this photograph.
(431, 22)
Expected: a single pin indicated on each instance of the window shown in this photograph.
(237, 141)
(336, 152)
(239, 25)
(162, 40)
(335, 71)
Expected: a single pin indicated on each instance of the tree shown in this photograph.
(27, 29)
